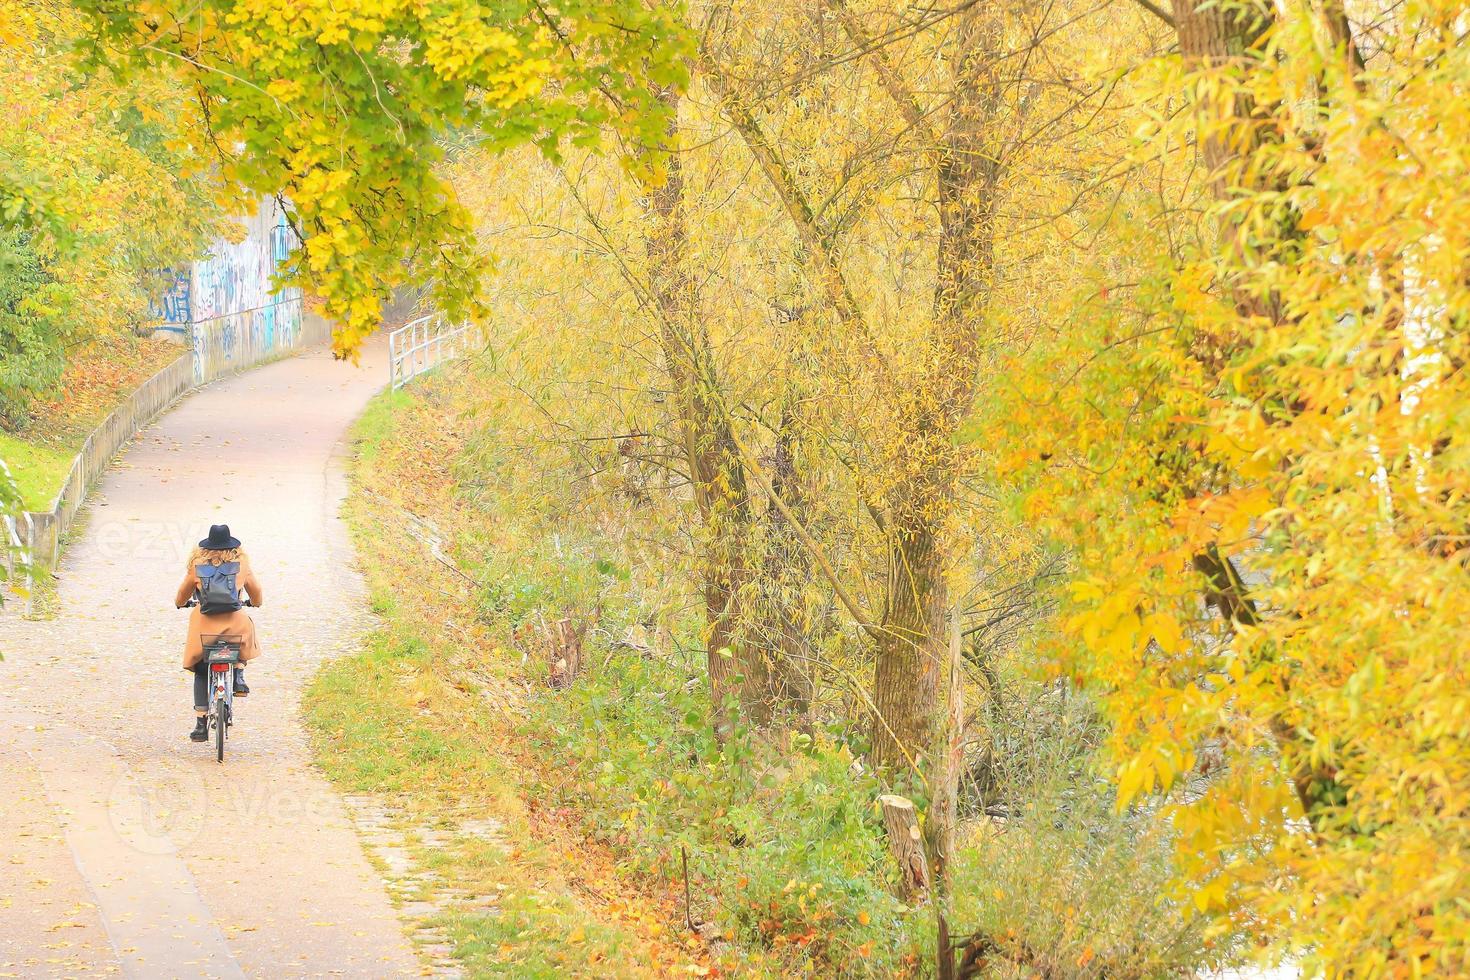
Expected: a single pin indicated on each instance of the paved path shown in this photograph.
(125, 849)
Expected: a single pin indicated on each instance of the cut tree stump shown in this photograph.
(566, 652)
(901, 820)
(567, 655)
(560, 646)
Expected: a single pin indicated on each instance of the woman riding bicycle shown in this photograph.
(219, 553)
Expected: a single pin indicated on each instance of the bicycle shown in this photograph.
(222, 654)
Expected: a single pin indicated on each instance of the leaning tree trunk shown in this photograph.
(944, 784)
(706, 440)
(716, 472)
(783, 688)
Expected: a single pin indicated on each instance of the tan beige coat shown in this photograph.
(238, 622)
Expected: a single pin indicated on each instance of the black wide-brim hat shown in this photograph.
(219, 539)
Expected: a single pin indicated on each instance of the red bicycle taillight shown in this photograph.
(219, 668)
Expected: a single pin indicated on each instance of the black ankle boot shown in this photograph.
(241, 688)
(201, 729)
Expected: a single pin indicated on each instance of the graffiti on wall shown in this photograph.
(238, 339)
(281, 237)
(172, 304)
(236, 276)
(238, 316)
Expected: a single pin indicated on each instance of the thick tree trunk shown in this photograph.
(1213, 34)
(913, 647)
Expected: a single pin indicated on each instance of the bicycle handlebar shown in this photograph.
(245, 603)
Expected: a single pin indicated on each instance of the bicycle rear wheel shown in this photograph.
(221, 722)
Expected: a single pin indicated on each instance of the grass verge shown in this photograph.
(413, 720)
(98, 378)
(38, 468)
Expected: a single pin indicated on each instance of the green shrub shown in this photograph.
(782, 834)
(32, 340)
(1062, 883)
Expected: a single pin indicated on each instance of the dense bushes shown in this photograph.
(32, 338)
(101, 192)
(788, 861)
(781, 830)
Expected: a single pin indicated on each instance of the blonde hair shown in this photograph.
(201, 556)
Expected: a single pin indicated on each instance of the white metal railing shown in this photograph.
(10, 543)
(13, 554)
(424, 343)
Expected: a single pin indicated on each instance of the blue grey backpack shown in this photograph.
(218, 590)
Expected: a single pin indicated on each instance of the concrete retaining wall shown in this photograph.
(240, 340)
(237, 317)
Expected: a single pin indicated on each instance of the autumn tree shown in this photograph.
(711, 458)
(102, 193)
(951, 150)
(1259, 473)
(799, 231)
(1205, 273)
(339, 107)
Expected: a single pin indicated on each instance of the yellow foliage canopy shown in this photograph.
(1287, 406)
